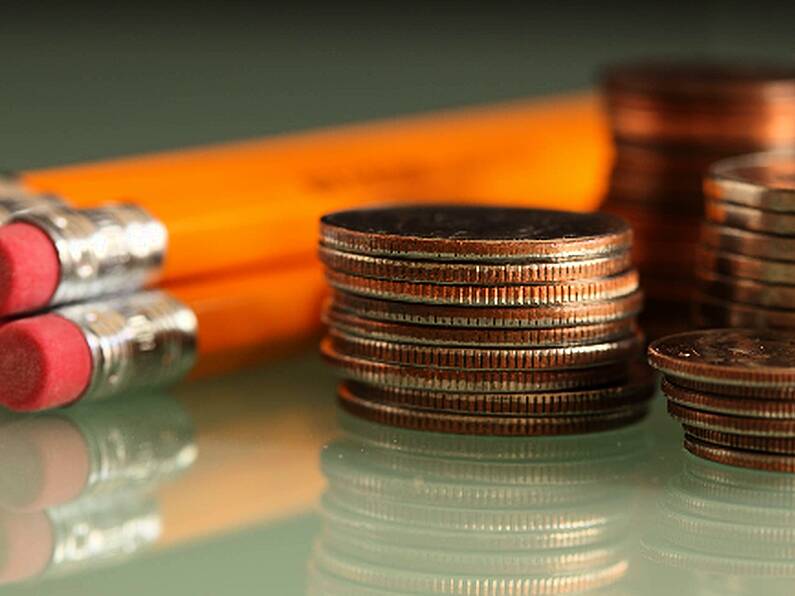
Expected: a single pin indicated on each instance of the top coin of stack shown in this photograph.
(747, 265)
(733, 390)
(484, 320)
(670, 121)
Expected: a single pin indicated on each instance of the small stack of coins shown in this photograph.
(424, 513)
(747, 264)
(670, 121)
(484, 320)
(733, 390)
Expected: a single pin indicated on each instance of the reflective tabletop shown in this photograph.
(256, 483)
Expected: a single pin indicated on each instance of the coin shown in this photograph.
(748, 218)
(524, 295)
(474, 381)
(738, 265)
(754, 358)
(482, 358)
(738, 457)
(745, 442)
(487, 425)
(539, 337)
(706, 104)
(724, 404)
(563, 315)
(749, 244)
(585, 401)
(478, 274)
(474, 233)
(744, 425)
(746, 291)
(712, 312)
(763, 181)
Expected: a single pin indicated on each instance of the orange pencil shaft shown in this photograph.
(241, 315)
(258, 201)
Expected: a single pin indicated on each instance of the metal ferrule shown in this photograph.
(89, 532)
(135, 444)
(141, 341)
(16, 205)
(102, 251)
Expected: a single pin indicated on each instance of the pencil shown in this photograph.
(196, 212)
(98, 350)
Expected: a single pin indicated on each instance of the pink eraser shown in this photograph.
(29, 269)
(27, 545)
(44, 461)
(45, 362)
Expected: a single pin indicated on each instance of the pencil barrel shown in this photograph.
(137, 342)
(102, 251)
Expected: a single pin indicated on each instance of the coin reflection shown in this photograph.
(77, 486)
(416, 512)
(726, 530)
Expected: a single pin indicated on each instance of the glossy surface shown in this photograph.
(258, 484)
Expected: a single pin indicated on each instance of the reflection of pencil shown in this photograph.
(238, 479)
(101, 349)
(258, 202)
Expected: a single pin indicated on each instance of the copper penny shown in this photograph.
(749, 218)
(540, 337)
(763, 181)
(712, 312)
(487, 425)
(478, 274)
(754, 358)
(746, 291)
(744, 425)
(474, 233)
(736, 265)
(750, 244)
(482, 358)
(564, 315)
(525, 295)
(740, 458)
(586, 401)
(725, 404)
(702, 104)
(699, 81)
(744, 442)
(475, 381)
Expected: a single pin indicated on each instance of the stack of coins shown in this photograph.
(424, 513)
(484, 320)
(747, 262)
(670, 121)
(733, 390)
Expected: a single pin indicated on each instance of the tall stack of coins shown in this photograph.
(424, 513)
(670, 121)
(484, 320)
(747, 262)
(733, 391)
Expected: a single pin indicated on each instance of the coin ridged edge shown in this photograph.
(565, 315)
(418, 355)
(550, 294)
